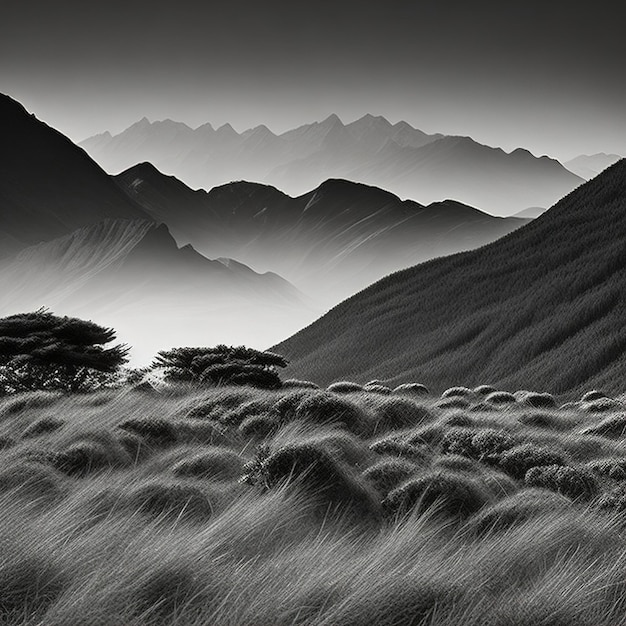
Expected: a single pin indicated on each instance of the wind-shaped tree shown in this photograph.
(221, 365)
(39, 350)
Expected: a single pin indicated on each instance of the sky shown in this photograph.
(546, 76)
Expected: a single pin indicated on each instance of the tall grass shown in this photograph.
(353, 510)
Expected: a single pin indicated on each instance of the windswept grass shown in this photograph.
(305, 506)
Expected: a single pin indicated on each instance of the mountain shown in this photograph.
(71, 239)
(131, 275)
(542, 308)
(330, 242)
(49, 186)
(588, 166)
(530, 213)
(370, 150)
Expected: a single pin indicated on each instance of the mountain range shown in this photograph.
(330, 242)
(541, 308)
(73, 240)
(588, 166)
(370, 150)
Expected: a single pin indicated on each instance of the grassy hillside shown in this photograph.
(542, 307)
(233, 506)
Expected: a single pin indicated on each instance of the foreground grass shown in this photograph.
(235, 506)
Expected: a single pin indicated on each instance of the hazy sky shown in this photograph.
(548, 76)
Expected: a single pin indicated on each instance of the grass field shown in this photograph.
(234, 506)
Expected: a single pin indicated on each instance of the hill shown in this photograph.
(540, 308)
(370, 150)
(49, 186)
(332, 241)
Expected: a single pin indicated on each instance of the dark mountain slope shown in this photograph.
(50, 187)
(331, 241)
(543, 308)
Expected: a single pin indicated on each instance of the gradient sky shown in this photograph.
(545, 76)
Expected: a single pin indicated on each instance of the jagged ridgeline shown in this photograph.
(541, 308)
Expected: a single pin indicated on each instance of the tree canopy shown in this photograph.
(39, 350)
(221, 365)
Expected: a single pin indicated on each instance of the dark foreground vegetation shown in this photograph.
(359, 505)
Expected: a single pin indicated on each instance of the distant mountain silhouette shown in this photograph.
(589, 165)
(48, 186)
(542, 308)
(371, 150)
(331, 242)
(73, 240)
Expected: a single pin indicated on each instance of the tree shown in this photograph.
(39, 350)
(221, 365)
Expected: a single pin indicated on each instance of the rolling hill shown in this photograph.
(370, 150)
(330, 242)
(541, 308)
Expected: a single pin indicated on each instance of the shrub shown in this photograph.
(614, 500)
(287, 406)
(259, 426)
(42, 426)
(163, 591)
(452, 494)
(34, 480)
(381, 389)
(458, 441)
(613, 426)
(326, 408)
(292, 383)
(235, 416)
(171, 501)
(39, 350)
(542, 420)
(221, 365)
(429, 435)
(397, 413)
(315, 470)
(519, 459)
(91, 451)
(613, 468)
(490, 443)
(154, 431)
(411, 389)
(593, 395)
(454, 403)
(601, 405)
(516, 509)
(458, 419)
(391, 447)
(458, 392)
(573, 482)
(539, 400)
(484, 390)
(500, 398)
(389, 473)
(344, 386)
(19, 403)
(212, 462)
(485, 445)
